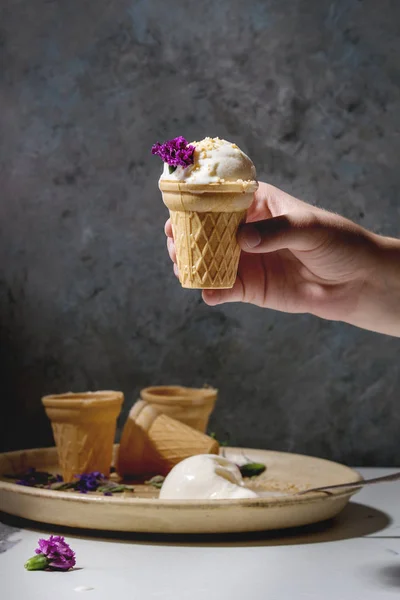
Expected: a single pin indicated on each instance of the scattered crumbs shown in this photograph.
(264, 483)
(83, 588)
(265, 494)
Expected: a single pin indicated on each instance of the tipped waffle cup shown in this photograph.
(205, 220)
(192, 406)
(152, 443)
(84, 427)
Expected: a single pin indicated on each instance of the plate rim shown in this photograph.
(260, 502)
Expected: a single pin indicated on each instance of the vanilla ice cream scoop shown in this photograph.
(215, 161)
(205, 477)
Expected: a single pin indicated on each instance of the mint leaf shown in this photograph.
(156, 481)
(252, 469)
(171, 169)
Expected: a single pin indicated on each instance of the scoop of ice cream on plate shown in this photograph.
(208, 187)
(205, 477)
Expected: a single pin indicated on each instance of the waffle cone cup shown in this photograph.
(152, 443)
(205, 220)
(84, 427)
(192, 406)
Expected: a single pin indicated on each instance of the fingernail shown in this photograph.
(250, 236)
(214, 295)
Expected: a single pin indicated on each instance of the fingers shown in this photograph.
(235, 294)
(170, 244)
(298, 230)
(171, 249)
(168, 229)
(270, 201)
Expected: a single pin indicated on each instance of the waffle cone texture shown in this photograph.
(192, 406)
(152, 443)
(84, 430)
(205, 220)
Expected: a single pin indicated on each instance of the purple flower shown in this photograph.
(176, 152)
(89, 482)
(53, 553)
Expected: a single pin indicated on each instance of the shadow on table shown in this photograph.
(382, 577)
(356, 520)
(389, 576)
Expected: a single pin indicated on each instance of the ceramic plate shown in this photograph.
(142, 511)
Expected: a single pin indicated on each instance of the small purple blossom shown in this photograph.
(53, 553)
(89, 482)
(85, 482)
(176, 152)
(57, 551)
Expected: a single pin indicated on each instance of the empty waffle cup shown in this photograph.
(84, 427)
(152, 443)
(192, 406)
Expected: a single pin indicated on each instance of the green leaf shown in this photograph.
(156, 481)
(37, 563)
(62, 485)
(213, 435)
(252, 469)
(171, 169)
(115, 488)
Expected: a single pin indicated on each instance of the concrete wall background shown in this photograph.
(309, 88)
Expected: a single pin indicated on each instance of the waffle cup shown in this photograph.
(205, 219)
(192, 406)
(84, 427)
(152, 443)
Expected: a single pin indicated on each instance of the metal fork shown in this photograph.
(352, 485)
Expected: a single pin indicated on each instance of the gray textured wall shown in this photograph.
(310, 89)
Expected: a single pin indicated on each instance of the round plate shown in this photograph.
(142, 511)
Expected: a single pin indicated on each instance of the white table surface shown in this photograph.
(354, 557)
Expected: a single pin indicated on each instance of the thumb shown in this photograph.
(298, 230)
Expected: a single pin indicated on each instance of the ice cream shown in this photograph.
(208, 187)
(205, 477)
(214, 161)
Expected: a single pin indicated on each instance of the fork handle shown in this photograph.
(353, 484)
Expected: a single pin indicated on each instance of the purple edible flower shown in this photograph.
(53, 553)
(176, 152)
(89, 482)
